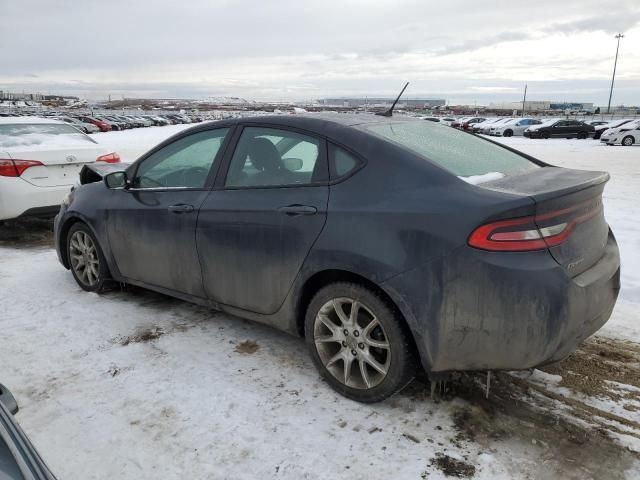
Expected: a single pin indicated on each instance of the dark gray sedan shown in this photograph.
(388, 243)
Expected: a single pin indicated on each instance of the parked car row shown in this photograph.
(611, 132)
(106, 122)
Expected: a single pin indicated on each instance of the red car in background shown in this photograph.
(103, 126)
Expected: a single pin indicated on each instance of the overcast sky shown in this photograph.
(462, 51)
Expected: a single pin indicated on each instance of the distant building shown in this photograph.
(378, 102)
(60, 98)
(20, 96)
(541, 106)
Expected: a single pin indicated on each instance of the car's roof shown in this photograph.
(321, 122)
(28, 120)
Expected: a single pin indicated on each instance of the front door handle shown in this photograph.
(292, 210)
(180, 208)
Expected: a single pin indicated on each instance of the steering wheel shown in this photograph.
(194, 175)
(149, 180)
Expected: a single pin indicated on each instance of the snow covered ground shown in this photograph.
(132, 384)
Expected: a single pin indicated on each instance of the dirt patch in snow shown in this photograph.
(574, 440)
(599, 361)
(149, 334)
(452, 467)
(248, 347)
(142, 336)
(26, 233)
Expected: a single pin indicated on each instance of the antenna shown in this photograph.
(389, 112)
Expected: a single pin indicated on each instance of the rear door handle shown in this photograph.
(292, 210)
(180, 208)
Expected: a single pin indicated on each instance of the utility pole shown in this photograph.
(615, 63)
(524, 99)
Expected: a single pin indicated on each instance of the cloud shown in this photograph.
(302, 50)
(611, 23)
(478, 43)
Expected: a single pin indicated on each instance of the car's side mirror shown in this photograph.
(292, 164)
(116, 180)
(8, 400)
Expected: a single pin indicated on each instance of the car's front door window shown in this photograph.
(185, 163)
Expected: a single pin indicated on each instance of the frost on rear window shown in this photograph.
(461, 153)
(41, 136)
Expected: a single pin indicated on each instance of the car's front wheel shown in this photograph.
(508, 133)
(628, 141)
(86, 260)
(358, 342)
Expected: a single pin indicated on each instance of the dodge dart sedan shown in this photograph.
(390, 244)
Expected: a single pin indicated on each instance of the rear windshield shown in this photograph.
(36, 134)
(461, 153)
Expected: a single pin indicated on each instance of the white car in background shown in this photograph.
(486, 127)
(40, 160)
(627, 134)
(515, 126)
(600, 129)
(477, 127)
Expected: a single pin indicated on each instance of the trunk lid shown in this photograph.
(571, 197)
(61, 165)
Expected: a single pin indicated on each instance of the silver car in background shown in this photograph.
(486, 128)
(515, 126)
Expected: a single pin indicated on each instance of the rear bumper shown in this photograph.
(485, 311)
(18, 198)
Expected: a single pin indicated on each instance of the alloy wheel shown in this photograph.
(84, 258)
(351, 343)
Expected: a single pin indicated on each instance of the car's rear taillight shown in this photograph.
(15, 168)
(536, 232)
(109, 158)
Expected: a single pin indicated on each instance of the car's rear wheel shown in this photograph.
(508, 133)
(86, 260)
(358, 342)
(628, 141)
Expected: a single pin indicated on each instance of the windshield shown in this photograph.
(462, 154)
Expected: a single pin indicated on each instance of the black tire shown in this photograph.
(545, 135)
(508, 133)
(398, 355)
(89, 282)
(628, 141)
(582, 135)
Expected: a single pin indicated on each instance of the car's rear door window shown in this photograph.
(462, 154)
(267, 157)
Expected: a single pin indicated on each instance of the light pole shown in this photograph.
(615, 63)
